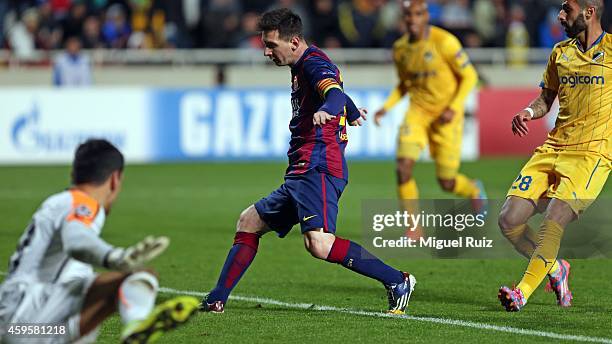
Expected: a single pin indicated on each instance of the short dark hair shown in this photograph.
(598, 4)
(94, 162)
(284, 20)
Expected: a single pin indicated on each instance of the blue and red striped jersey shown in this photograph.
(315, 147)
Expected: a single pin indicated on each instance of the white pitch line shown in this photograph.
(443, 321)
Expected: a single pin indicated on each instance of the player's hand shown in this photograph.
(447, 116)
(135, 257)
(362, 115)
(321, 117)
(378, 116)
(519, 123)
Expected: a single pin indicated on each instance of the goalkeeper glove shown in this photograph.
(136, 256)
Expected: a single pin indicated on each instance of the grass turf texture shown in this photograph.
(197, 205)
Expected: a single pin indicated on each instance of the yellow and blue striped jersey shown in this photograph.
(583, 81)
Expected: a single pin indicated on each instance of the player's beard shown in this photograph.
(579, 26)
(277, 62)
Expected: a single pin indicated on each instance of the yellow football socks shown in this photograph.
(409, 195)
(465, 187)
(523, 239)
(409, 200)
(544, 257)
(408, 191)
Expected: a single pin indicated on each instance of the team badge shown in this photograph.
(598, 56)
(82, 211)
(295, 85)
(428, 56)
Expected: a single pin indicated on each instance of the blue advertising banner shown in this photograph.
(234, 124)
(155, 125)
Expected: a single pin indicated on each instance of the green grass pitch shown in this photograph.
(197, 206)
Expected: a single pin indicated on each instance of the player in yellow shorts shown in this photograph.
(436, 72)
(567, 173)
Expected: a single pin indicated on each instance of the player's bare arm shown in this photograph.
(537, 109)
(362, 117)
(379, 115)
(395, 96)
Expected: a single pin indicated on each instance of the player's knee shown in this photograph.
(144, 277)
(316, 249)
(514, 212)
(504, 221)
(447, 185)
(318, 245)
(249, 221)
(507, 221)
(404, 170)
(150, 271)
(560, 212)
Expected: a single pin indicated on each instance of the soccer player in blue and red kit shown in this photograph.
(317, 172)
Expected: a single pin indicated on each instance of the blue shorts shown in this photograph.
(310, 199)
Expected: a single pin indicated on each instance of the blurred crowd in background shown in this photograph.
(27, 25)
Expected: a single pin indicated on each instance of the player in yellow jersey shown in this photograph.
(567, 173)
(436, 72)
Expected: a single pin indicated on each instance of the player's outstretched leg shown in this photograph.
(326, 246)
(513, 224)
(241, 255)
(544, 258)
